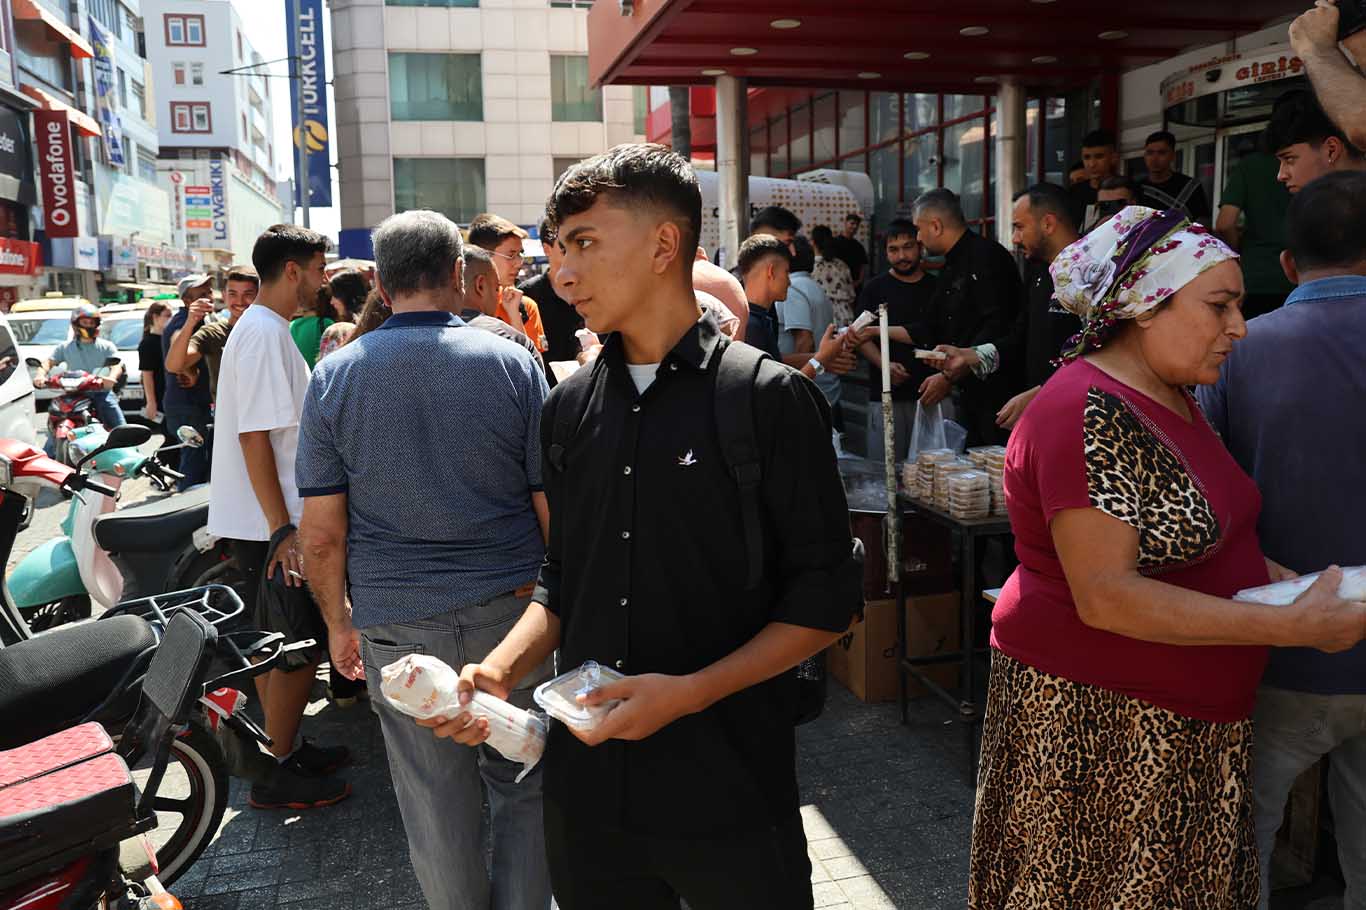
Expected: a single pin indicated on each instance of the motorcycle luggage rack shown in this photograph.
(219, 604)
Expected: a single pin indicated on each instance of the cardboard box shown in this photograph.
(864, 660)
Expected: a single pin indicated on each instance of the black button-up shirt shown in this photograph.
(976, 300)
(1039, 333)
(646, 569)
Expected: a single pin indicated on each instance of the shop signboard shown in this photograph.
(1230, 71)
(106, 106)
(305, 37)
(218, 199)
(19, 257)
(86, 253)
(198, 207)
(16, 172)
(57, 172)
(125, 256)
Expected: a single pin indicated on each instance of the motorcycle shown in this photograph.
(106, 555)
(77, 808)
(72, 409)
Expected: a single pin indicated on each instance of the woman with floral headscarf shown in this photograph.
(1115, 750)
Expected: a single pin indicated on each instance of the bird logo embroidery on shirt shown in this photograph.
(687, 460)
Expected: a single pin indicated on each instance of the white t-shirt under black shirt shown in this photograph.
(261, 386)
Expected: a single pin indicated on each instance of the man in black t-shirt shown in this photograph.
(849, 249)
(558, 318)
(1100, 157)
(908, 292)
(1164, 188)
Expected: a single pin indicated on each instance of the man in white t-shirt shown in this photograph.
(254, 500)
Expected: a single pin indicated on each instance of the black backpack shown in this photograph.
(736, 373)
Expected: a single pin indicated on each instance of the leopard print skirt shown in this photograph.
(1088, 799)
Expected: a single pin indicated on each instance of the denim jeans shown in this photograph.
(1292, 731)
(438, 782)
(194, 462)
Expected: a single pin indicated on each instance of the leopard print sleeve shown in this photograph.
(1133, 476)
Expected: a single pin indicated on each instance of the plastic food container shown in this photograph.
(1283, 593)
(424, 687)
(558, 696)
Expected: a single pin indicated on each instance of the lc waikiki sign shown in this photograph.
(310, 68)
(218, 199)
(57, 171)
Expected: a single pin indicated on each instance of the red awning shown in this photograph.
(28, 9)
(904, 45)
(82, 121)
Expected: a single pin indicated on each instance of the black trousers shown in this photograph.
(757, 870)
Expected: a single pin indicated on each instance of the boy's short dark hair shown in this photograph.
(804, 257)
(478, 261)
(758, 248)
(242, 273)
(1297, 117)
(1120, 182)
(854, 217)
(1098, 139)
(1049, 198)
(901, 227)
(1161, 136)
(633, 176)
(281, 243)
(1326, 224)
(777, 218)
(546, 231)
(488, 230)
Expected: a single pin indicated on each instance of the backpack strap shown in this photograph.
(735, 376)
(573, 395)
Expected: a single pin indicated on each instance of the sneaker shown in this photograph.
(341, 701)
(311, 760)
(288, 789)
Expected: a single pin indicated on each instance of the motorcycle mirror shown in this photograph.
(126, 436)
(33, 362)
(191, 437)
(112, 361)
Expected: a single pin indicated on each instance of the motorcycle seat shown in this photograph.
(62, 796)
(154, 527)
(51, 681)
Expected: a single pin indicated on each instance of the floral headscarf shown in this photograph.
(1127, 266)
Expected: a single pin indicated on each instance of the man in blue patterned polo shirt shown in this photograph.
(424, 529)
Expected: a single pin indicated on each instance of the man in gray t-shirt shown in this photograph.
(86, 351)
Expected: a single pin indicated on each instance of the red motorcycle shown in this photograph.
(73, 408)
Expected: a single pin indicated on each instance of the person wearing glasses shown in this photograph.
(503, 240)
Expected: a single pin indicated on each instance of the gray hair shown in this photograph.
(417, 251)
(941, 202)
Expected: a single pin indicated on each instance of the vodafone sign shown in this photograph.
(57, 173)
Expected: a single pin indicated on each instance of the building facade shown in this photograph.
(465, 106)
(218, 161)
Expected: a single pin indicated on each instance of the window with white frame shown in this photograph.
(184, 29)
(178, 73)
(196, 74)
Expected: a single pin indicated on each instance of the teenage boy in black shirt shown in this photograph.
(908, 292)
(688, 789)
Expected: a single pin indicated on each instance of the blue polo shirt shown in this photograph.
(432, 429)
(1288, 405)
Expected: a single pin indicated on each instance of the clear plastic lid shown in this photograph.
(559, 696)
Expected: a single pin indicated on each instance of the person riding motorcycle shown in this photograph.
(87, 351)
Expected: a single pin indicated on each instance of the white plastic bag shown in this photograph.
(955, 437)
(424, 687)
(928, 432)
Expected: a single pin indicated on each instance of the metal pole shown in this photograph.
(1010, 152)
(889, 457)
(300, 134)
(732, 165)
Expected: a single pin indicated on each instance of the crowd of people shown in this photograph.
(673, 509)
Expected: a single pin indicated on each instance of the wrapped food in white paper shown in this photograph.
(424, 687)
(1281, 593)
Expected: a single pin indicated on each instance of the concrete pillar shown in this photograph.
(732, 164)
(1010, 152)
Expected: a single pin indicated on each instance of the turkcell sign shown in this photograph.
(105, 104)
(57, 172)
(305, 36)
(218, 199)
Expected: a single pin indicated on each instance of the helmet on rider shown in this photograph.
(85, 322)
